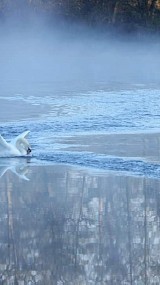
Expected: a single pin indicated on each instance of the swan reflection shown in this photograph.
(18, 168)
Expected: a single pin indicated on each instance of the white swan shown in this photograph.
(17, 147)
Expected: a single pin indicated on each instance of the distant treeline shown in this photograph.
(128, 14)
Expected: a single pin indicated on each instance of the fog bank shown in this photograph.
(65, 53)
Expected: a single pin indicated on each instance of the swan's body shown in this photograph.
(17, 147)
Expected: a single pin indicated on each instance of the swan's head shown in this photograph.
(29, 150)
(23, 146)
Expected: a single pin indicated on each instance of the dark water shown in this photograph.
(68, 225)
(84, 209)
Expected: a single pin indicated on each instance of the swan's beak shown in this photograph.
(28, 150)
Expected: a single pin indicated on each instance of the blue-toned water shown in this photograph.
(94, 111)
(84, 208)
(53, 116)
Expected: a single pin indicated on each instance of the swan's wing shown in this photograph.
(3, 144)
(24, 134)
(21, 136)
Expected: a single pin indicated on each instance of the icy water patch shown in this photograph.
(74, 127)
(94, 111)
(15, 109)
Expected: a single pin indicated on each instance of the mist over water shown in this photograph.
(61, 52)
(62, 79)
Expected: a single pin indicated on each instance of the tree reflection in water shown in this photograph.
(72, 226)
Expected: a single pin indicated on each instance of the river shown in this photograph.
(84, 208)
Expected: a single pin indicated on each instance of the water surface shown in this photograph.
(84, 209)
(105, 128)
(67, 225)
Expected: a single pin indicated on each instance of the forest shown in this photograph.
(130, 15)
